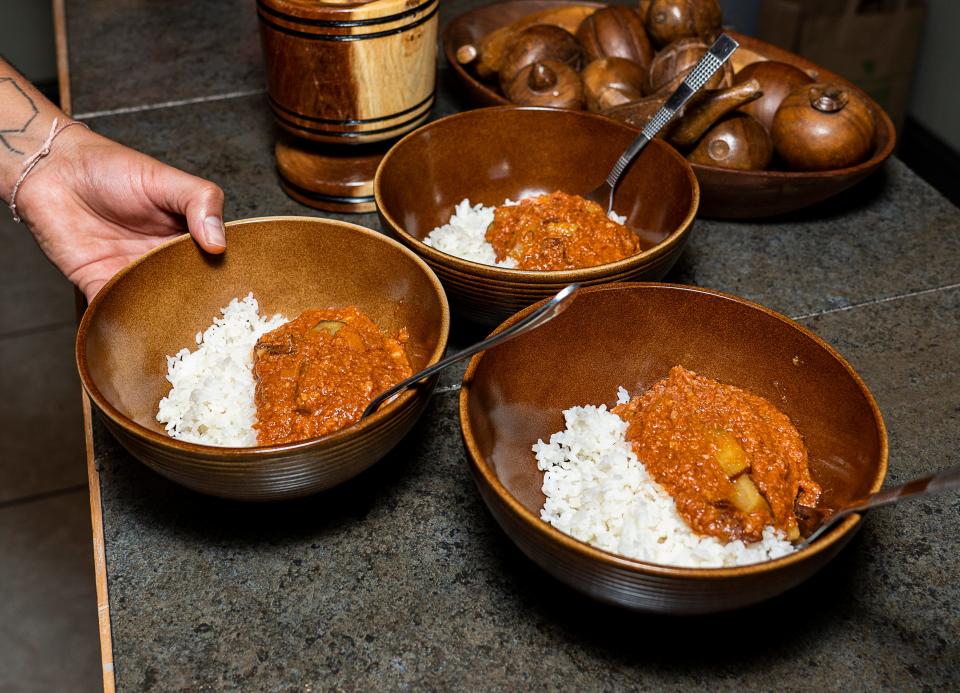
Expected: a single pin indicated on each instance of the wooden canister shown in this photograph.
(349, 72)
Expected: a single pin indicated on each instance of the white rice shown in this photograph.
(600, 493)
(464, 234)
(212, 398)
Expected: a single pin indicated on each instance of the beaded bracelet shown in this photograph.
(35, 159)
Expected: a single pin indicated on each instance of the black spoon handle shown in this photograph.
(712, 61)
(946, 480)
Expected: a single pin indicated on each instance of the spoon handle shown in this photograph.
(943, 481)
(712, 61)
(940, 482)
(548, 311)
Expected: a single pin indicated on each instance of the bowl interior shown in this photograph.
(290, 264)
(490, 155)
(631, 335)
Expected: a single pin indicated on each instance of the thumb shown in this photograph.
(199, 201)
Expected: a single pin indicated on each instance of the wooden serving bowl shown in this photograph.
(493, 154)
(631, 335)
(155, 306)
(473, 25)
(726, 194)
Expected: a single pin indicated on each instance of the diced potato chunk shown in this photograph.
(331, 327)
(793, 533)
(746, 497)
(730, 455)
(352, 338)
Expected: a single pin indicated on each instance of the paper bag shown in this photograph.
(872, 43)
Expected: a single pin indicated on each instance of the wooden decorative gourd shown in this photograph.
(342, 73)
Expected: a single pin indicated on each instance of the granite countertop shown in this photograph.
(400, 578)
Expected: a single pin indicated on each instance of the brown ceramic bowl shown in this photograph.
(726, 194)
(631, 335)
(492, 154)
(155, 306)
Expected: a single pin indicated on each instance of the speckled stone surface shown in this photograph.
(135, 54)
(400, 579)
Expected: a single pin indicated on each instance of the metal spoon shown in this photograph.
(946, 480)
(714, 58)
(544, 314)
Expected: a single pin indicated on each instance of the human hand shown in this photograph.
(95, 205)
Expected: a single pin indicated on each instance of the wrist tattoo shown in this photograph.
(19, 111)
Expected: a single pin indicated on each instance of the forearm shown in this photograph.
(25, 120)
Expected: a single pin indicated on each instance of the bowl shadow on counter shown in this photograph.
(733, 642)
(861, 196)
(134, 490)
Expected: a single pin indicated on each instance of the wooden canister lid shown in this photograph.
(333, 14)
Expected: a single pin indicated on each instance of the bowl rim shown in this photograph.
(676, 237)
(211, 453)
(768, 50)
(482, 470)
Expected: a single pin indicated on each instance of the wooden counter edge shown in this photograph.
(63, 55)
(99, 553)
(93, 477)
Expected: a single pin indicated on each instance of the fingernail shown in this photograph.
(213, 229)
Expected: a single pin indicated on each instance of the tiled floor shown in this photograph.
(48, 614)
